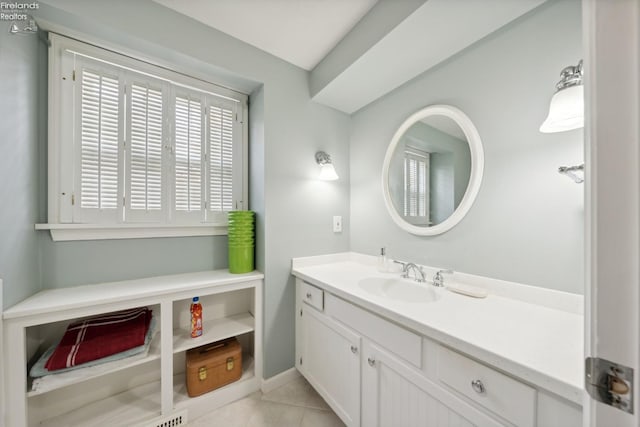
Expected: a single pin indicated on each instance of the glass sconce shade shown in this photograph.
(327, 171)
(566, 110)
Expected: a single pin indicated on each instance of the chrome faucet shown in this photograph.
(438, 280)
(418, 273)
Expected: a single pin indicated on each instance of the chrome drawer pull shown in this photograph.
(371, 361)
(308, 295)
(354, 349)
(477, 386)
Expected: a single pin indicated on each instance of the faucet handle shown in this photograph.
(438, 280)
(404, 265)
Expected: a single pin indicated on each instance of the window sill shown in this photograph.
(71, 232)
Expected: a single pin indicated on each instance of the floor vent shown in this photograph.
(174, 420)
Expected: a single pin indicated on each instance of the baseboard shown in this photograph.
(279, 380)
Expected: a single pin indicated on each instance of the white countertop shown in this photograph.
(59, 300)
(539, 344)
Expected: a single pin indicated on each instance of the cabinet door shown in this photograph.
(396, 394)
(330, 360)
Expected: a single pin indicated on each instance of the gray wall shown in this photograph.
(527, 223)
(78, 263)
(20, 158)
(293, 208)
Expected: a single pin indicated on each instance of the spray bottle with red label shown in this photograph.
(196, 318)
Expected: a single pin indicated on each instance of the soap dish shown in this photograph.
(468, 290)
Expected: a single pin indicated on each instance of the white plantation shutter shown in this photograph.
(141, 144)
(188, 155)
(145, 163)
(220, 146)
(416, 184)
(99, 131)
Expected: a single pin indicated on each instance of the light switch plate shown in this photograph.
(337, 224)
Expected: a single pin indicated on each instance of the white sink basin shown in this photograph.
(404, 290)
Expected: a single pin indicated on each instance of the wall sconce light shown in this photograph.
(327, 171)
(566, 110)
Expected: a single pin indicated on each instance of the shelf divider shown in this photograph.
(105, 369)
(214, 330)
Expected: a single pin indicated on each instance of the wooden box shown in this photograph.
(212, 366)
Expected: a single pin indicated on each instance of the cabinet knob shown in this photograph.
(354, 349)
(308, 295)
(371, 361)
(477, 386)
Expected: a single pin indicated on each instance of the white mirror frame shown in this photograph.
(475, 178)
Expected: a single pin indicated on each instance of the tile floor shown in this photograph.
(295, 404)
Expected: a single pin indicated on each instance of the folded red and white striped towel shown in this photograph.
(99, 337)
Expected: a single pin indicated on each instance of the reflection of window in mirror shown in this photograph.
(416, 186)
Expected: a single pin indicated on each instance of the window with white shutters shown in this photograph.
(416, 184)
(141, 144)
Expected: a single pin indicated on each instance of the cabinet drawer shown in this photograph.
(392, 337)
(312, 296)
(497, 392)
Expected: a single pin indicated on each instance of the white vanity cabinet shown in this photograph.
(358, 359)
(138, 391)
(328, 354)
(396, 394)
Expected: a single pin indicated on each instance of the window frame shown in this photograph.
(420, 157)
(61, 154)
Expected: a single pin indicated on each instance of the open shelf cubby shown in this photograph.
(142, 389)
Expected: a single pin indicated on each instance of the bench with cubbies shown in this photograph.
(139, 390)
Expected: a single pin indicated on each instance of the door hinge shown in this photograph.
(73, 199)
(609, 383)
(124, 201)
(301, 360)
(73, 75)
(300, 312)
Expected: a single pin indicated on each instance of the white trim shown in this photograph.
(611, 32)
(137, 62)
(2, 363)
(475, 179)
(279, 380)
(70, 232)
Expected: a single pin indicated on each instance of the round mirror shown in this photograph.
(432, 170)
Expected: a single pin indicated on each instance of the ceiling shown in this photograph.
(446, 125)
(357, 51)
(301, 32)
